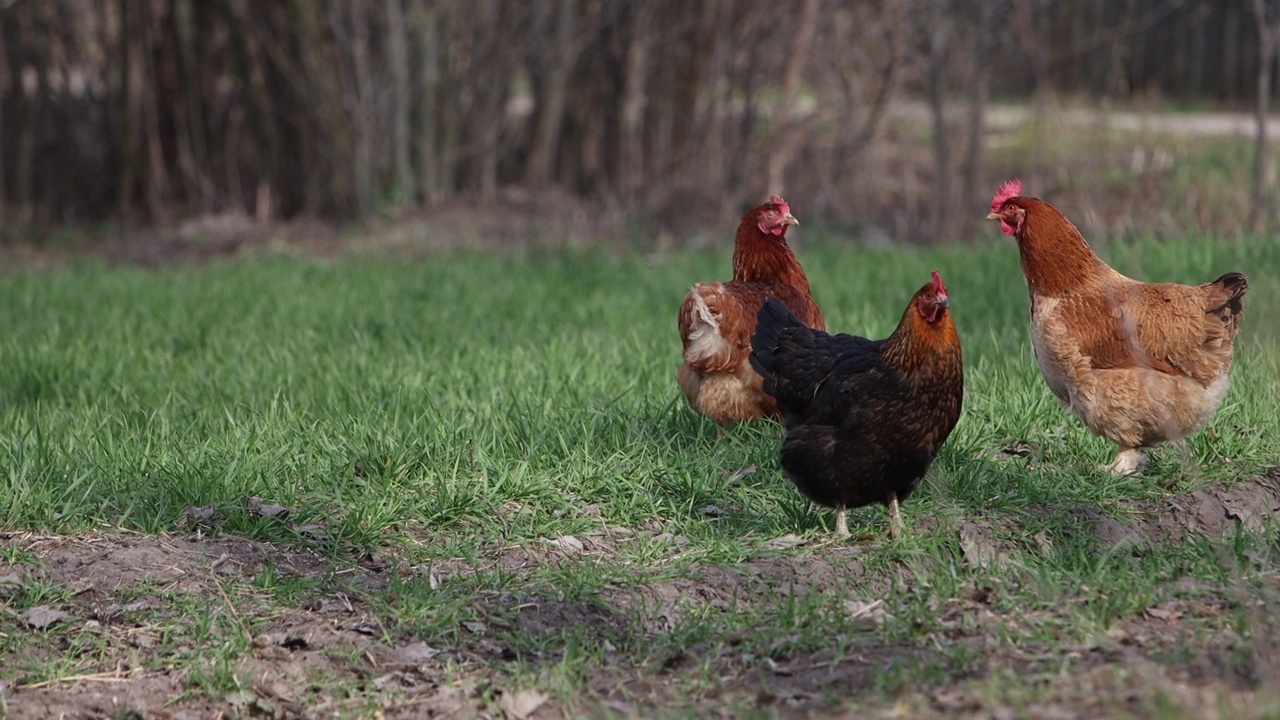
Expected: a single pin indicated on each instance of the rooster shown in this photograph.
(717, 319)
(865, 418)
(1140, 363)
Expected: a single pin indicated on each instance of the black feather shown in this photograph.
(1236, 285)
(859, 425)
(771, 320)
(796, 361)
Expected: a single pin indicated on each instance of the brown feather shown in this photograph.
(716, 377)
(1141, 363)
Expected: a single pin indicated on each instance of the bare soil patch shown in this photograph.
(1210, 511)
(128, 600)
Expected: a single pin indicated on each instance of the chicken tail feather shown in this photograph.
(700, 325)
(773, 318)
(1227, 292)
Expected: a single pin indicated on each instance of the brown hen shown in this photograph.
(717, 319)
(1140, 363)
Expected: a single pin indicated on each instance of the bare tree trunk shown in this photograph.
(1230, 52)
(940, 32)
(27, 113)
(855, 79)
(974, 148)
(631, 160)
(742, 80)
(786, 139)
(448, 105)
(334, 94)
(1024, 21)
(6, 69)
(501, 29)
(1268, 33)
(398, 59)
(363, 103)
(978, 43)
(423, 19)
(157, 177)
(186, 110)
(540, 166)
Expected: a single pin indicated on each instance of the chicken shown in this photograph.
(865, 418)
(1140, 363)
(717, 319)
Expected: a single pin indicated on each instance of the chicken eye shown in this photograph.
(772, 213)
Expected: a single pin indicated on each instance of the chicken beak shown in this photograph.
(992, 215)
(790, 219)
(943, 302)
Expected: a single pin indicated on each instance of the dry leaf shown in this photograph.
(866, 610)
(197, 515)
(734, 477)
(416, 652)
(43, 616)
(1017, 448)
(10, 585)
(1119, 635)
(568, 542)
(143, 640)
(255, 506)
(777, 669)
(784, 543)
(978, 546)
(522, 703)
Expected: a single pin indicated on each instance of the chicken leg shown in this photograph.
(895, 517)
(842, 523)
(1127, 462)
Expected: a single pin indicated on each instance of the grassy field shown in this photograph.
(468, 484)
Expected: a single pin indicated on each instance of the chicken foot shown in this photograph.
(1127, 462)
(895, 517)
(842, 522)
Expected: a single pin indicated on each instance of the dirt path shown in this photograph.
(1200, 124)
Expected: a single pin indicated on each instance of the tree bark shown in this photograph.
(549, 121)
(786, 137)
(401, 146)
(940, 33)
(631, 141)
(423, 20)
(157, 176)
(128, 113)
(363, 105)
(1268, 30)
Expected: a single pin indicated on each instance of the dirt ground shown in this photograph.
(515, 220)
(333, 654)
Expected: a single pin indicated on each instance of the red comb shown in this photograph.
(938, 285)
(1011, 189)
(782, 204)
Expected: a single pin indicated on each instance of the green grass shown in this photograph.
(448, 408)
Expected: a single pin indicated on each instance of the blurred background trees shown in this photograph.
(150, 111)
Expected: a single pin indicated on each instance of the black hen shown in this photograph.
(864, 418)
